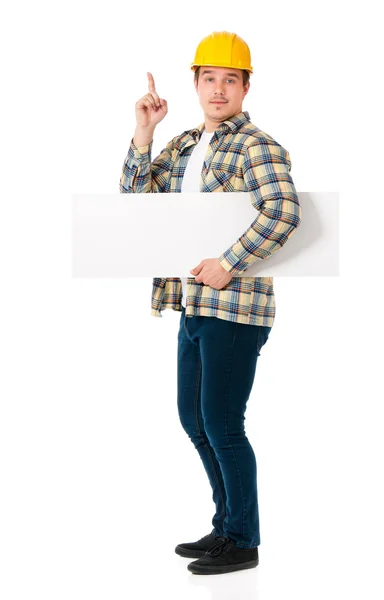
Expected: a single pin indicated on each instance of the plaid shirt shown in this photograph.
(240, 157)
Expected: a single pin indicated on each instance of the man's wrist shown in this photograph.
(143, 136)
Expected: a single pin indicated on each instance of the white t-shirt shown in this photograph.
(191, 182)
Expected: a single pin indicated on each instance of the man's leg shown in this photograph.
(228, 353)
(189, 370)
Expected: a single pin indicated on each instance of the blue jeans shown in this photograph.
(216, 365)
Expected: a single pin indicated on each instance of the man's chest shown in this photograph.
(216, 170)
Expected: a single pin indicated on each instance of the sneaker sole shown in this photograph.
(207, 570)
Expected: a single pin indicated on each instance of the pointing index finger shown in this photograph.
(151, 83)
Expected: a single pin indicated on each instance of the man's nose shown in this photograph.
(219, 88)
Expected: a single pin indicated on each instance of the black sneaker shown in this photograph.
(224, 558)
(197, 549)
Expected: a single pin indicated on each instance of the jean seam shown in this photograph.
(226, 427)
(208, 446)
(223, 498)
(196, 400)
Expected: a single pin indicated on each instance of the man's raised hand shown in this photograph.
(150, 109)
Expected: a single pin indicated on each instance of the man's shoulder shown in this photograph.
(179, 140)
(247, 134)
(251, 135)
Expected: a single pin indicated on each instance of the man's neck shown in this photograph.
(211, 126)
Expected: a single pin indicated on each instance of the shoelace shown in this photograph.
(218, 548)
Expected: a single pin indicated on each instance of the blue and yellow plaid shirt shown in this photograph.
(240, 157)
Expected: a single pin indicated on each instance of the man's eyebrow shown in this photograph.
(230, 74)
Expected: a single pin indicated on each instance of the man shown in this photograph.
(225, 319)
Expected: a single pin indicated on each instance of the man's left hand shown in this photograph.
(210, 272)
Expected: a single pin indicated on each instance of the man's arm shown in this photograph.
(266, 175)
(139, 175)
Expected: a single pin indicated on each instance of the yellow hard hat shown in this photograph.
(223, 49)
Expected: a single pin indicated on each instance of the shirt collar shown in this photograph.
(232, 124)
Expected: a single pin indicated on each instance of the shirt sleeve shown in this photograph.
(266, 172)
(139, 175)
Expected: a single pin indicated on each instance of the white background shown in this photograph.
(99, 482)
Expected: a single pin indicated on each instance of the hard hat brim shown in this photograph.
(194, 66)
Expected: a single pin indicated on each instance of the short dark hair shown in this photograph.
(245, 76)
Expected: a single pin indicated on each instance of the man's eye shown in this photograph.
(211, 79)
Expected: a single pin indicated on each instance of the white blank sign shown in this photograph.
(166, 235)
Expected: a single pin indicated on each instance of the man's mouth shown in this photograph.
(218, 101)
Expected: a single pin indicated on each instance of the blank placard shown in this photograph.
(166, 235)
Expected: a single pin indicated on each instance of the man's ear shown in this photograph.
(246, 88)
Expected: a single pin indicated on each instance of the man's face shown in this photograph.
(221, 92)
